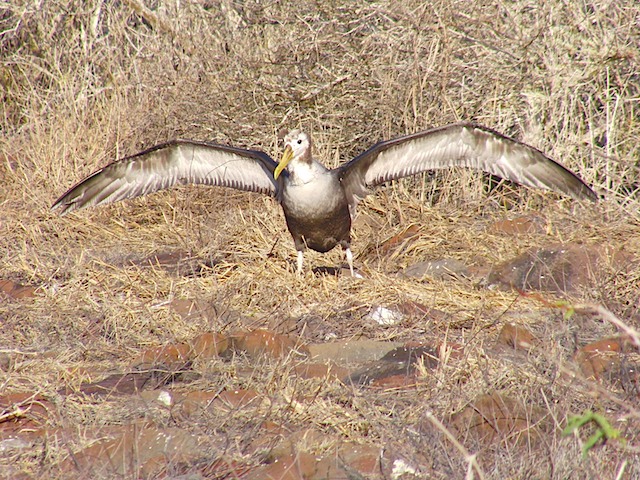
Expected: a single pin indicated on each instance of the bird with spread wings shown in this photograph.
(319, 203)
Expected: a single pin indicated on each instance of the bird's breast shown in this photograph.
(317, 198)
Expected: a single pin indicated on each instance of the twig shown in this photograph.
(469, 457)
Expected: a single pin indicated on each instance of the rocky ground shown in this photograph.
(493, 332)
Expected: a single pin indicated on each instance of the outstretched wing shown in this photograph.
(458, 145)
(168, 164)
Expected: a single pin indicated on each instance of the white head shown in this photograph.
(297, 147)
(299, 142)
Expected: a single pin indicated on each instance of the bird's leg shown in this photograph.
(349, 255)
(300, 259)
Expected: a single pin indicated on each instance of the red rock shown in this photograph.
(172, 355)
(299, 466)
(15, 290)
(556, 268)
(138, 450)
(237, 398)
(320, 370)
(224, 468)
(121, 384)
(209, 345)
(605, 357)
(611, 344)
(269, 441)
(184, 307)
(197, 401)
(28, 410)
(260, 342)
(348, 460)
(524, 225)
(516, 337)
(365, 459)
(495, 417)
(394, 382)
(288, 443)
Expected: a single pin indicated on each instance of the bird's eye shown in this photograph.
(299, 141)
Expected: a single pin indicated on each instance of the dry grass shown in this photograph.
(86, 82)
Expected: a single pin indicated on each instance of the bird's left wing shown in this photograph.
(168, 164)
(458, 145)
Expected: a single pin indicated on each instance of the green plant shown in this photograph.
(604, 430)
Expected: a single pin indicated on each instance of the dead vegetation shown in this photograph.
(83, 83)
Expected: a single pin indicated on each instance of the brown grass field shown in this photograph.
(84, 83)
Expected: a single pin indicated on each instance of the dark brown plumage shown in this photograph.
(319, 203)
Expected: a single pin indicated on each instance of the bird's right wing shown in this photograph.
(168, 164)
(458, 145)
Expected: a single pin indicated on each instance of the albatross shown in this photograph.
(319, 203)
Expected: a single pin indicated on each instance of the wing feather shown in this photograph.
(458, 145)
(168, 164)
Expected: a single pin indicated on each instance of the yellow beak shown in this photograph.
(284, 161)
